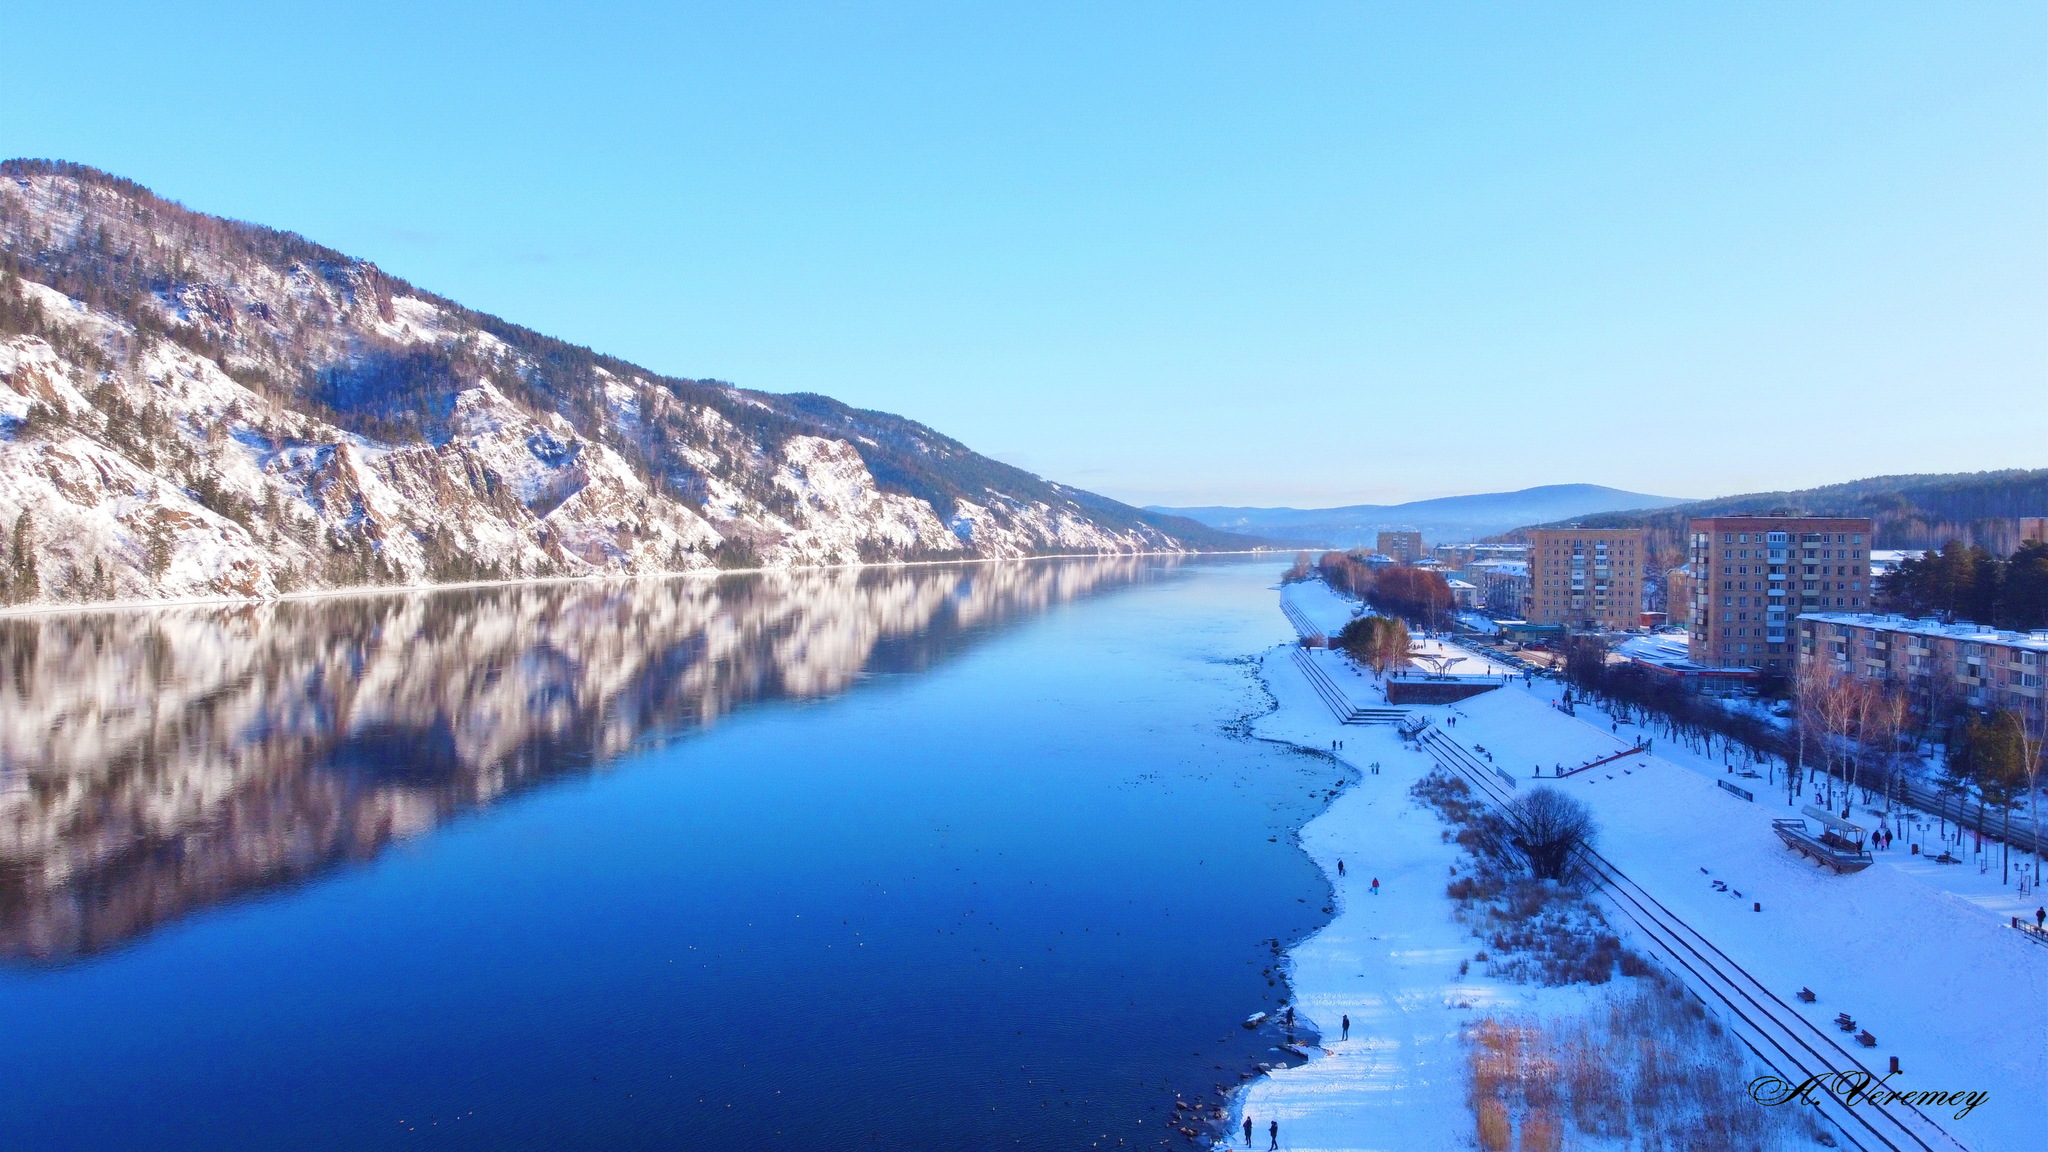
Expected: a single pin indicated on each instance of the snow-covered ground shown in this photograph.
(1978, 880)
(1941, 980)
(1388, 961)
(1919, 953)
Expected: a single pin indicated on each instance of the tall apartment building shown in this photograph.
(1966, 663)
(1752, 575)
(1403, 546)
(2033, 528)
(1586, 578)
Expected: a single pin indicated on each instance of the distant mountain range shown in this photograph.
(1450, 519)
(193, 406)
(1924, 510)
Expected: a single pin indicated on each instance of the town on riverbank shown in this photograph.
(1760, 897)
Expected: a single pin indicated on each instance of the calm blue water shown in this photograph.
(952, 858)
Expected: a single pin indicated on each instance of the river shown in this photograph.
(966, 856)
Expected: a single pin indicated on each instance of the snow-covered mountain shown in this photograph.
(192, 406)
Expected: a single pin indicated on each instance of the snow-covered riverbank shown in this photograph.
(1389, 961)
(1961, 1000)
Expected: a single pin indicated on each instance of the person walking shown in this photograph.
(1375, 885)
(2040, 917)
(1340, 867)
(1347, 1027)
(1247, 1130)
(1273, 1131)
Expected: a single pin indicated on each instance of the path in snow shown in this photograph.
(1389, 961)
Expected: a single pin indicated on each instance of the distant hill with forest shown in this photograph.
(1444, 520)
(1924, 510)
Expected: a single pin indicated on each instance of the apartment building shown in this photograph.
(2033, 529)
(1455, 556)
(1401, 547)
(1678, 594)
(1753, 575)
(1586, 578)
(1968, 664)
(1503, 585)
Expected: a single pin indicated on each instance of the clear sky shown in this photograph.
(1181, 253)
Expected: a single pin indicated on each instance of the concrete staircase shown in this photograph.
(1303, 626)
(1340, 703)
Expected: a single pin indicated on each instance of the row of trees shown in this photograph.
(1850, 726)
(1966, 582)
(1998, 758)
(1419, 595)
(1661, 702)
(1381, 643)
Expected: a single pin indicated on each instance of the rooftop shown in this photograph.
(1669, 650)
(2036, 640)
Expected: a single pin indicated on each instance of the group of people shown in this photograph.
(1375, 891)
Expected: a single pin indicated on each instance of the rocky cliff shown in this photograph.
(192, 406)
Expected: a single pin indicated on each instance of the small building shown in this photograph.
(1530, 632)
(1463, 594)
(1667, 655)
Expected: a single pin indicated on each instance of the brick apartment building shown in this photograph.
(1586, 578)
(1753, 575)
(1963, 663)
(1405, 547)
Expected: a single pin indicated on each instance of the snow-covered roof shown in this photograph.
(1668, 650)
(1960, 630)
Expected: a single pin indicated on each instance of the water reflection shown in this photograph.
(152, 764)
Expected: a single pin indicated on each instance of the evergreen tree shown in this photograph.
(21, 578)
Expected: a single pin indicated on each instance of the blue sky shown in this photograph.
(1180, 253)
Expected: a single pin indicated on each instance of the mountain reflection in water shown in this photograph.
(154, 763)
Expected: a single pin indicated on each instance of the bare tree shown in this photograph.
(2030, 721)
(1552, 829)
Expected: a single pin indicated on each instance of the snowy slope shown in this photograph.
(196, 407)
(1946, 986)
